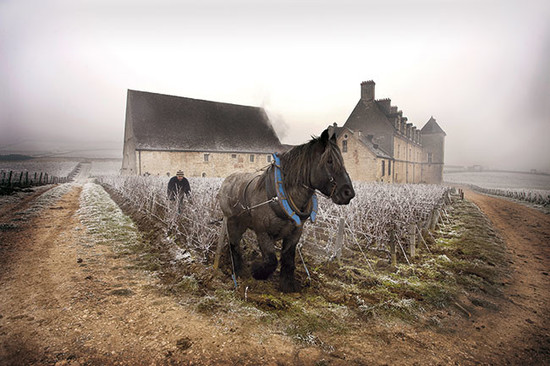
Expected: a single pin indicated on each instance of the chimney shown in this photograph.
(367, 90)
(332, 129)
(393, 109)
(408, 129)
(385, 105)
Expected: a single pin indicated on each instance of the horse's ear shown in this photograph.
(325, 137)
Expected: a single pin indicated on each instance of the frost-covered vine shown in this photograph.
(377, 215)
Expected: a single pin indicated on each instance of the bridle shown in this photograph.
(331, 181)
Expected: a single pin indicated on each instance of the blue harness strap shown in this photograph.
(283, 198)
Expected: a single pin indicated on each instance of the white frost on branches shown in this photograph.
(377, 210)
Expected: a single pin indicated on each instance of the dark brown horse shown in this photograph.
(275, 203)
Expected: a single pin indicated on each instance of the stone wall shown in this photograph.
(408, 159)
(199, 164)
(432, 173)
(434, 155)
(360, 162)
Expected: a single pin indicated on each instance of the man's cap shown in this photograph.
(179, 173)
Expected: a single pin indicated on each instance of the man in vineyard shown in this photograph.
(178, 187)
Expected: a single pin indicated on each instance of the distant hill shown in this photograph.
(15, 157)
(67, 149)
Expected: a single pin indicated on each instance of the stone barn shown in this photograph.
(165, 133)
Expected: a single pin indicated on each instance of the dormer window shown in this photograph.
(345, 146)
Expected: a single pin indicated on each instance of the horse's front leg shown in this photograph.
(235, 231)
(261, 270)
(288, 282)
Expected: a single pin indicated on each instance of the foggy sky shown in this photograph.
(481, 68)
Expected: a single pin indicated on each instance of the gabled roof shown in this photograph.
(432, 127)
(365, 112)
(165, 122)
(374, 148)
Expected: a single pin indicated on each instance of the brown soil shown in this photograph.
(63, 302)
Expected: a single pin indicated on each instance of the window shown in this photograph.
(345, 146)
(233, 156)
(429, 157)
(389, 167)
(206, 157)
(383, 167)
(398, 148)
(251, 158)
(269, 158)
(203, 175)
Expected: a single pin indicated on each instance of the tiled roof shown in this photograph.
(432, 127)
(165, 122)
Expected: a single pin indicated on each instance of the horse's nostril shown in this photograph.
(348, 193)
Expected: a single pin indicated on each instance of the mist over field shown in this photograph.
(480, 68)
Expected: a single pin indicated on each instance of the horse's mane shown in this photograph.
(298, 161)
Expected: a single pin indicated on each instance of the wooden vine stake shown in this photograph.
(340, 239)
(393, 247)
(221, 243)
(412, 240)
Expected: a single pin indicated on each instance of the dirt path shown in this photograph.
(520, 331)
(64, 301)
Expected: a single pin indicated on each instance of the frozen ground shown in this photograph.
(502, 180)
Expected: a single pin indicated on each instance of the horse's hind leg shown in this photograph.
(234, 232)
(261, 270)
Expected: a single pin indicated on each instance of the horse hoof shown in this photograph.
(290, 286)
(259, 272)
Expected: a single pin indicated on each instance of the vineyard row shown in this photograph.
(382, 219)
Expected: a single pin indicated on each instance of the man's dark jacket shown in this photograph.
(177, 188)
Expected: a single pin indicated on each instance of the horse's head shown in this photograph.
(328, 175)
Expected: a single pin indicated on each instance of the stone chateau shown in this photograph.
(379, 144)
(166, 133)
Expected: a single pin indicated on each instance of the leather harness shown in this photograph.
(281, 202)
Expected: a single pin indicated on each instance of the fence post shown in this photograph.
(412, 240)
(221, 242)
(340, 238)
(9, 179)
(435, 219)
(393, 247)
(21, 179)
(152, 204)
